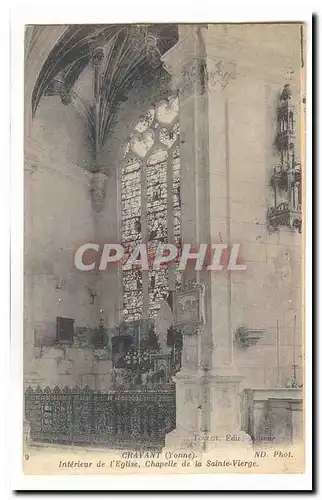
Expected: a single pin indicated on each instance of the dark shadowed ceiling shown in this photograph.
(117, 56)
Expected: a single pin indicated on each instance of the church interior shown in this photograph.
(166, 133)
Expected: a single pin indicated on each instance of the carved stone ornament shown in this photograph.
(97, 57)
(220, 73)
(286, 93)
(286, 175)
(190, 77)
(284, 215)
(186, 62)
(193, 76)
(98, 190)
(31, 168)
(280, 178)
(65, 95)
(246, 337)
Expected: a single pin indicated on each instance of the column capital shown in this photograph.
(185, 61)
(193, 68)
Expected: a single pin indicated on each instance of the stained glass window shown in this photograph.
(151, 206)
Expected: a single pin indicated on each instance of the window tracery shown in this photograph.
(151, 206)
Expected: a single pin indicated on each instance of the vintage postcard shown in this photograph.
(164, 225)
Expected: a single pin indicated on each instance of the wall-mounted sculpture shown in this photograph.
(247, 337)
(286, 178)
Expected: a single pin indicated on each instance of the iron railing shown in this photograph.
(138, 418)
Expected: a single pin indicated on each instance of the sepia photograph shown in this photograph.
(164, 248)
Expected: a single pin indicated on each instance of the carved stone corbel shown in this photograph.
(31, 168)
(193, 77)
(97, 63)
(98, 190)
(97, 57)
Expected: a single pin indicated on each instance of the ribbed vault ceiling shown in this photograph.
(118, 56)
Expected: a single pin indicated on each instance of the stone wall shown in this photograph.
(273, 416)
(69, 365)
(243, 119)
(241, 104)
(58, 218)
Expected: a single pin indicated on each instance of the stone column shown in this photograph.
(242, 90)
(223, 378)
(99, 194)
(207, 385)
(186, 63)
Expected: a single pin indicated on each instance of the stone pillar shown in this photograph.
(207, 385)
(242, 88)
(99, 190)
(186, 63)
(188, 396)
(223, 378)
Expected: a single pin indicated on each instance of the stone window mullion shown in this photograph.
(171, 273)
(144, 240)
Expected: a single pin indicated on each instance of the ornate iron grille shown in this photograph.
(128, 419)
